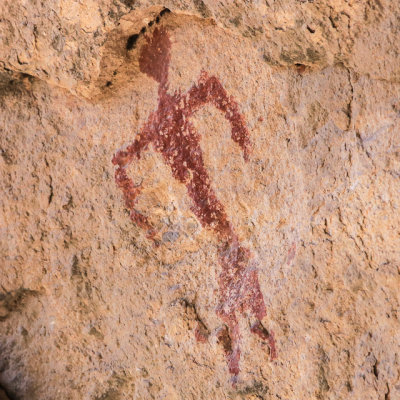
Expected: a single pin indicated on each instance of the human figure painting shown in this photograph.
(169, 131)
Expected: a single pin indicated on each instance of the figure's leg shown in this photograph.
(229, 337)
(232, 259)
(240, 290)
(252, 297)
(254, 301)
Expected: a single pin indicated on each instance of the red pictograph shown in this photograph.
(170, 132)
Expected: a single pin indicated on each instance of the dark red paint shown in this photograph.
(171, 133)
(260, 331)
(201, 333)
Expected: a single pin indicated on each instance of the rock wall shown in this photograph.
(199, 199)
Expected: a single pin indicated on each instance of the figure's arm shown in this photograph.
(130, 192)
(210, 90)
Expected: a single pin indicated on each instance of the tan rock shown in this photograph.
(94, 305)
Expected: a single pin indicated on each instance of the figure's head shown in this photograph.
(155, 55)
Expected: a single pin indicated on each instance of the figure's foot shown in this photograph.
(231, 350)
(229, 338)
(259, 329)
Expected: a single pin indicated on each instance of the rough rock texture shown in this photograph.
(141, 285)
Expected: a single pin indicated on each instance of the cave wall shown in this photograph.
(250, 249)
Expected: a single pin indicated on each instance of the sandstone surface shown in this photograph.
(260, 217)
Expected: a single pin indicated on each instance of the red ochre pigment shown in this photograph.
(171, 133)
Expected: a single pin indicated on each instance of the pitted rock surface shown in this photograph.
(199, 200)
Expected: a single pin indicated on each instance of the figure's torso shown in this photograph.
(175, 138)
